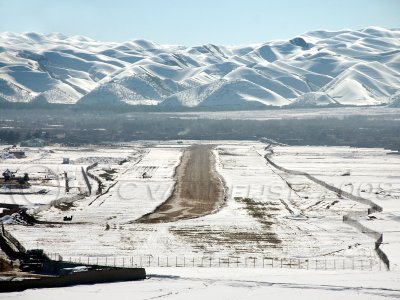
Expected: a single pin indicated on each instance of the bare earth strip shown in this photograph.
(198, 190)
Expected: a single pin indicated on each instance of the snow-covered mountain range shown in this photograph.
(319, 68)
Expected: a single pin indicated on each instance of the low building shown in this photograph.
(17, 153)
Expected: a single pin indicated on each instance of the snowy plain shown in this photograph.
(370, 173)
(181, 283)
(285, 213)
(289, 217)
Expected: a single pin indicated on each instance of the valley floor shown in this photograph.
(268, 212)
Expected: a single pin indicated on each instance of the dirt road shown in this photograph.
(198, 190)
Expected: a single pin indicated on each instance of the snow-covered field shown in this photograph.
(373, 174)
(268, 213)
(46, 170)
(180, 283)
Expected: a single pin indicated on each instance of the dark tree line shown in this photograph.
(101, 127)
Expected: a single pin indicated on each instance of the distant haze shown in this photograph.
(191, 23)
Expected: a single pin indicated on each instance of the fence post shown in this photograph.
(316, 264)
(158, 261)
(219, 262)
(106, 260)
(353, 263)
(167, 262)
(263, 261)
(281, 262)
(193, 262)
(123, 262)
(298, 261)
(254, 262)
(245, 262)
(228, 261)
(210, 262)
(308, 262)
(290, 262)
(131, 261)
(149, 260)
(114, 261)
(237, 262)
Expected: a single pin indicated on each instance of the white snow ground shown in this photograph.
(370, 173)
(306, 219)
(316, 68)
(277, 222)
(185, 283)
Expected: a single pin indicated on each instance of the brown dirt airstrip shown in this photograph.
(198, 190)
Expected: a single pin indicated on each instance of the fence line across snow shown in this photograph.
(94, 177)
(346, 218)
(227, 262)
(88, 185)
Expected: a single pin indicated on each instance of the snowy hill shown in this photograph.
(319, 68)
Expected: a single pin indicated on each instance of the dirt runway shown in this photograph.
(198, 190)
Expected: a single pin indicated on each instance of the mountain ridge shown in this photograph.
(314, 69)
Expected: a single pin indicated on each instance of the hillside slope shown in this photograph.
(318, 68)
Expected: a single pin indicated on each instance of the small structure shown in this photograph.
(10, 178)
(17, 153)
(65, 160)
(66, 218)
(8, 175)
(23, 180)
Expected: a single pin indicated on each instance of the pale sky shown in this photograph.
(195, 22)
